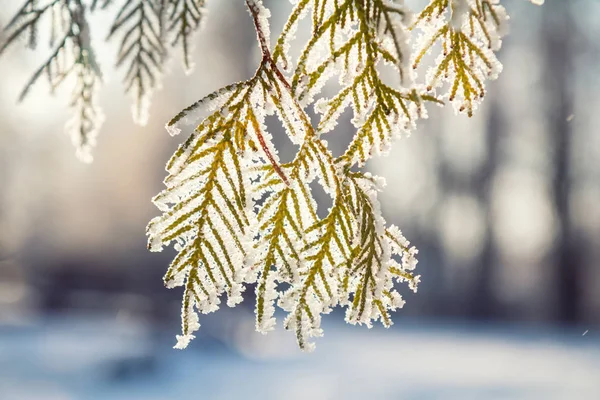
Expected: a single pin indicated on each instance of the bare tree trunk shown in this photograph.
(483, 303)
(558, 30)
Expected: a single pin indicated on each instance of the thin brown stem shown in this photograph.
(267, 60)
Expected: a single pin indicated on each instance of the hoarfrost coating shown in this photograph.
(239, 216)
(234, 212)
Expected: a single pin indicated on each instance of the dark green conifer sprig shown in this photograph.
(69, 31)
(141, 26)
(146, 28)
(72, 55)
(87, 117)
(184, 18)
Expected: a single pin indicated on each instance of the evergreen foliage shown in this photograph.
(235, 213)
(146, 29)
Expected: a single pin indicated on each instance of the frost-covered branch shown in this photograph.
(146, 28)
(184, 18)
(141, 25)
(72, 55)
(235, 213)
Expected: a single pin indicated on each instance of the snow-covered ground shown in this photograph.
(111, 359)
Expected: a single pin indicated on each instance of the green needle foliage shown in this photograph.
(184, 18)
(140, 25)
(145, 29)
(72, 55)
(469, 32)
(235, 213)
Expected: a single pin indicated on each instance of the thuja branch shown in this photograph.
(146, 28)
(344, 258)
(350, 257)
(235, 214)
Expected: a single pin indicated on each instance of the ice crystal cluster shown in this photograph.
(237, 216)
